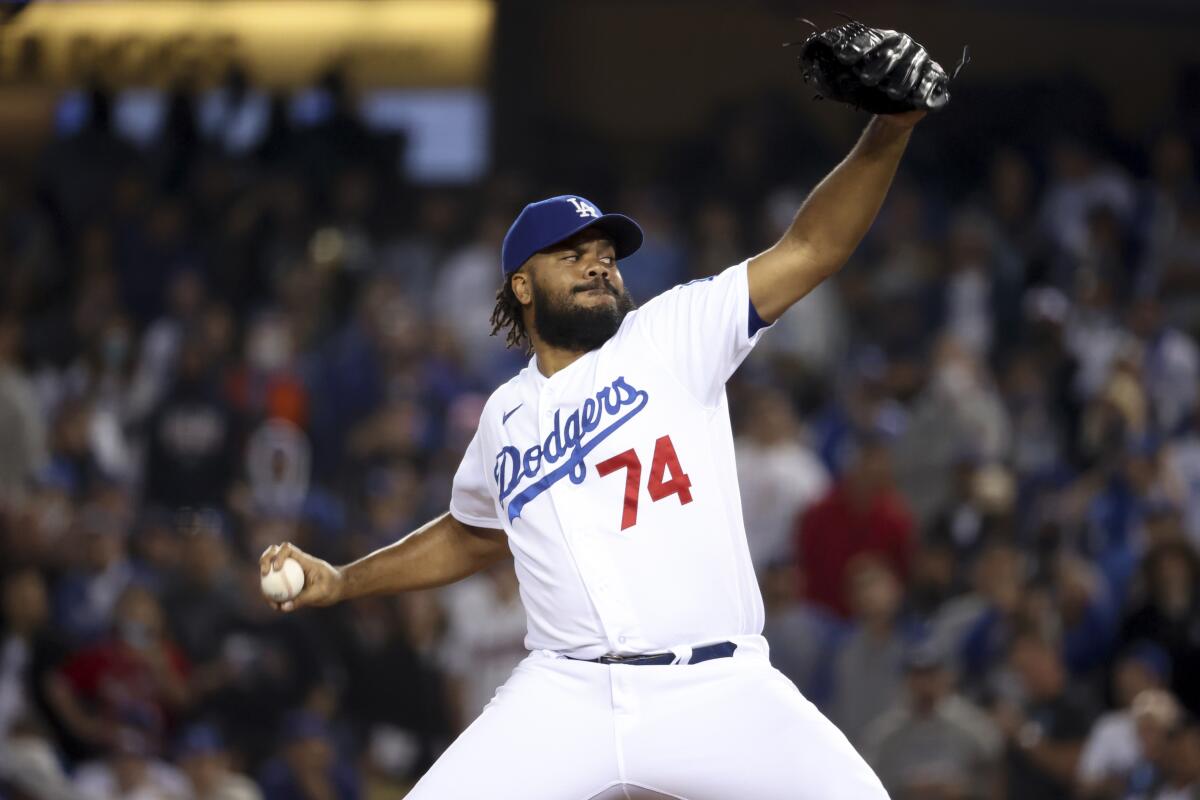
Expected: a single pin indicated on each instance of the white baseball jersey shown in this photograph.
(615, 482)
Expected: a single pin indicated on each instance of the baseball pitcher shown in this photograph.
(605, 470)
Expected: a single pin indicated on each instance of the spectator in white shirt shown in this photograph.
(201, 755)
(1112, 749)
(485, 638)
(779, 476)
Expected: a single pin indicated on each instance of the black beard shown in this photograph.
(569, 327)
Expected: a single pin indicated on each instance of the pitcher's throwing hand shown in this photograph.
(322, 580)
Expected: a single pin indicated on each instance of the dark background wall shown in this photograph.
(645, 73)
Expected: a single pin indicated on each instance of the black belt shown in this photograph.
(706, 653)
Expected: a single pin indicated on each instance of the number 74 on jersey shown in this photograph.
(666, 478)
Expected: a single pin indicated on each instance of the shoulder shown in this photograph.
(504, 395)
(681, 295)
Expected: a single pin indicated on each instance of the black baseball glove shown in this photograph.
(880, 71)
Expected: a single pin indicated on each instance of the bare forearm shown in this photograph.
(840, 210)
(831, 222)
(440, 552)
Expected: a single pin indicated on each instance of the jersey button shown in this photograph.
(621, 639)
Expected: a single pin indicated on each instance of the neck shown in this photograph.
(552, 359)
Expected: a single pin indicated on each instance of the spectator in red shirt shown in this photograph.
(863, 513)
(136, 670)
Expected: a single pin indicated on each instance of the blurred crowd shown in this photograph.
(970, 463)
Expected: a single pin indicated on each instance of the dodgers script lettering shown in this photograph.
(568, 440)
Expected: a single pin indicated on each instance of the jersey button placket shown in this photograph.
(575, 530)
(605, 586)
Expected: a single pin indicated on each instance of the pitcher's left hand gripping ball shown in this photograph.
(877, 70)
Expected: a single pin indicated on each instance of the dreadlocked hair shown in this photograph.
(507, 314)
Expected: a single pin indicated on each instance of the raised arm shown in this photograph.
(833, 220)
(440, 552)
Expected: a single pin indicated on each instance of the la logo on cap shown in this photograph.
(583, 208)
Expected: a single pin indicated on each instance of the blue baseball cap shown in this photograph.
(549, 221)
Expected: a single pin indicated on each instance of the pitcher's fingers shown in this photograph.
(307, 597)
(282, 554)
(264, 561)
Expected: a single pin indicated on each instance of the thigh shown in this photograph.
(741, 729)
(546, 735)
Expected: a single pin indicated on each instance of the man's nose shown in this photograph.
(596, 267)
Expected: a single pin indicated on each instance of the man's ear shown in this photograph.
(522, 286)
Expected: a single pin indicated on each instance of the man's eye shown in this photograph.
(571, 257)
(608, 260)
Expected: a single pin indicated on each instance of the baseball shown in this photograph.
(285, 583)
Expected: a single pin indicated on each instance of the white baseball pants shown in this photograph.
(723, 729)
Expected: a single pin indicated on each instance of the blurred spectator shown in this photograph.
(28, 648)
(203, 601)
(978, 624)
(30, 768)
(716, 240)
(867, 667)
(204, 761)
(1044, 734)
(269, 385)
(979, 511)
(162, 342)
(1172, 183)
(278, 461)
(1170, 364)
(136, 671)
(778, 475)
(959, 414)
(661, 262)
(1168, 613)
(981, 284)
(1010, 201)
(1087, 613)
(131, 770)
(22, 426)
(1041, 435)
(393, 503)
(103, 570)
(812, 342)
(308, 767)
(1080, 182)
(801, 634)
(465, 294)
(1180, 764)
(862, 514)
(1112, 750)
(934, 745)
(485, 637)
(191, 437)
(1183, 458)
(933, 583)
(1178, 283)
(399, 699)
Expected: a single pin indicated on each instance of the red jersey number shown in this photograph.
(665, 463)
